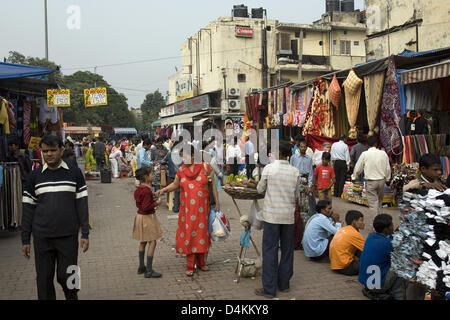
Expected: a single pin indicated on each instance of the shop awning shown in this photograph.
(182, 118)
(156, 123)
(10, 70)
(431, 72)
(82, 130)
(200, 122)
(125, 131)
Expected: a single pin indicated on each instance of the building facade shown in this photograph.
(396, 25)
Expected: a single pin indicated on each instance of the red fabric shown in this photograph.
(192, 234)
(324, 176)
(299, 228)
(144, 199)
(316, 142)
(334, 92)
(193, 259)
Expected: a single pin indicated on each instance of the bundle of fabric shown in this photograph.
(334, 92)
(352, 88)
(401, 175)
(422, 244)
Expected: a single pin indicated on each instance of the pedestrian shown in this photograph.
(157, 155)
(281, 182)
(356, 152)
(377, 253)
(347, 245)
(324, 178)
(298, 139)
(172, 172)
(192, 238)
(341, 157)
(55, 207)
(249, 156)
(234, 153)
(89, 158)
(319, 231)
(68, 155)
(114, 160)
(377, 170)
(303, 163)
(146, 229)
(142, 156)
(23, 160)
(317, 158)
(99, 154)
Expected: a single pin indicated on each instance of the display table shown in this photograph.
(354, 192)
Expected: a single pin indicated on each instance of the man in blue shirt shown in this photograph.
(142, 157)
(380, 283)
(319, 231)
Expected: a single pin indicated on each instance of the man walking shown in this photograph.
(281, 182)
(356, 152)
(99, 154)
(55, 207)
(341, 157)
(377, 170)
(249, 156)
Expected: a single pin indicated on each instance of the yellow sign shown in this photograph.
(34, 143)
(185, 95)
(95, 97)
(96, 135)
(58, 97)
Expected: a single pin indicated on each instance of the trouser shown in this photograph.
(353, 268)
(393, 286)
(195, 259)
(325, 194)
(100, 163)
(273, 273)
(48, 251)
(326, 253)
(340, 170)
(312, 205)
(114, 167)
(249, 167)
(234, 168)
(299, 227)
(375, 194)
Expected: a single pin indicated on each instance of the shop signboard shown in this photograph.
(244, 32)
(34, 143)
(58, 97)
(167, 111)
(184, 88)
(192, 105)
(95, 97)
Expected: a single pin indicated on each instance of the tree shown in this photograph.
(151, 107)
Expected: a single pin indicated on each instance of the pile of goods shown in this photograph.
(402, 174)
(422, 242)
(242, 181)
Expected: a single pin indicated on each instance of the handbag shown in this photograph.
(212, 201)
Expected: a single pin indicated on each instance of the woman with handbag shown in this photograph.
(192, 238)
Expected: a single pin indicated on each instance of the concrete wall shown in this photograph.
(433, 32)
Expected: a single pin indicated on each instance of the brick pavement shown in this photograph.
(108, 269)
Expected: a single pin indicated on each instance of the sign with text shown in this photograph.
(95, 97)
(184, 88)
(244, 32)
(58, 97)
(167, 111)
(34, 143)
(198, 103)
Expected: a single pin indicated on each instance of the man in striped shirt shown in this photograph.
(281, 182)
(55, 207)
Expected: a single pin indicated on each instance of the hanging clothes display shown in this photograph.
(416, 146)
(352, 89)
(390, 111)
(373, 87)
(334, 92)
(10, 196)
(413, 123)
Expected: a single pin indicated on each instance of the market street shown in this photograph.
(108, 268)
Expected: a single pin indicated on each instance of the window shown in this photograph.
(334, 42)
(356, 43)
(345, 32)
(297, 34)
(241, 77)
(345, 47)
(320, 43)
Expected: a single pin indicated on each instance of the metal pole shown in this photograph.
(300, 58)
(46, 31)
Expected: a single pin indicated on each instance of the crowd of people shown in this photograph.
(292, 218)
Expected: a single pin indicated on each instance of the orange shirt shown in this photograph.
(343, 247)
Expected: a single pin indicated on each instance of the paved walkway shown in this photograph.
(108, 269)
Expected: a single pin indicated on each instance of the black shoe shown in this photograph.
(300, 247)
(284, 290)
(261, 292)
(141, 270)
(152, 274)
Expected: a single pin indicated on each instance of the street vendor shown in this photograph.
(430, 172)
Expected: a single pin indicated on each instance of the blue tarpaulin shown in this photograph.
(125, 131)
(11, 71)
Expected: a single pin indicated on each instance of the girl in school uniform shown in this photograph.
(147, 229)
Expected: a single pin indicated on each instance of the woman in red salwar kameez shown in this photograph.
(192, 238)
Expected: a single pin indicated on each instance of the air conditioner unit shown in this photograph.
(234, 105)
(234, 92)
(255, 90)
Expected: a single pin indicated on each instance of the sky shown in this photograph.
(112, 32)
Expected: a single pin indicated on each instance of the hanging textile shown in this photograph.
(352, 89)
(390, 111)
(4, 117)
(373, 86)
(26, 122)
(334, 92)
(417, 145)
(10, 196)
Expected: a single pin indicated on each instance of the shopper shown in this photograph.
(192, 238)
(356, 152)
(142, 157)
(377, 170)
(99, 154)
(157, 155)
(341, 157)
(281, 183)
(89, 158)
(234, 153)
(298, 139)
(379, 281)
(347, 245)
(23, 160)
(319, 231)
(146, 229)
(324, 178)
(69, 155)
(55, 207)
(172, 172)
(317, 158)
(249, 156)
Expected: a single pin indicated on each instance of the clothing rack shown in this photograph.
(10, 196)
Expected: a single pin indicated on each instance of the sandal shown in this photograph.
(189, 273)
(205, 268)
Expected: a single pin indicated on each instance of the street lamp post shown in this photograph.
(46, 31)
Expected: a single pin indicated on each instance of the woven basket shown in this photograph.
(243, 193)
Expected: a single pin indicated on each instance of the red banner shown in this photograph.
(244, 32)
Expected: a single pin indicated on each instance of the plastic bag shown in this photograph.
(220, 226)
(255, 216)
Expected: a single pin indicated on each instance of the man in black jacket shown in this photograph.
(99, 154)
(55, 207)
(24, 161)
